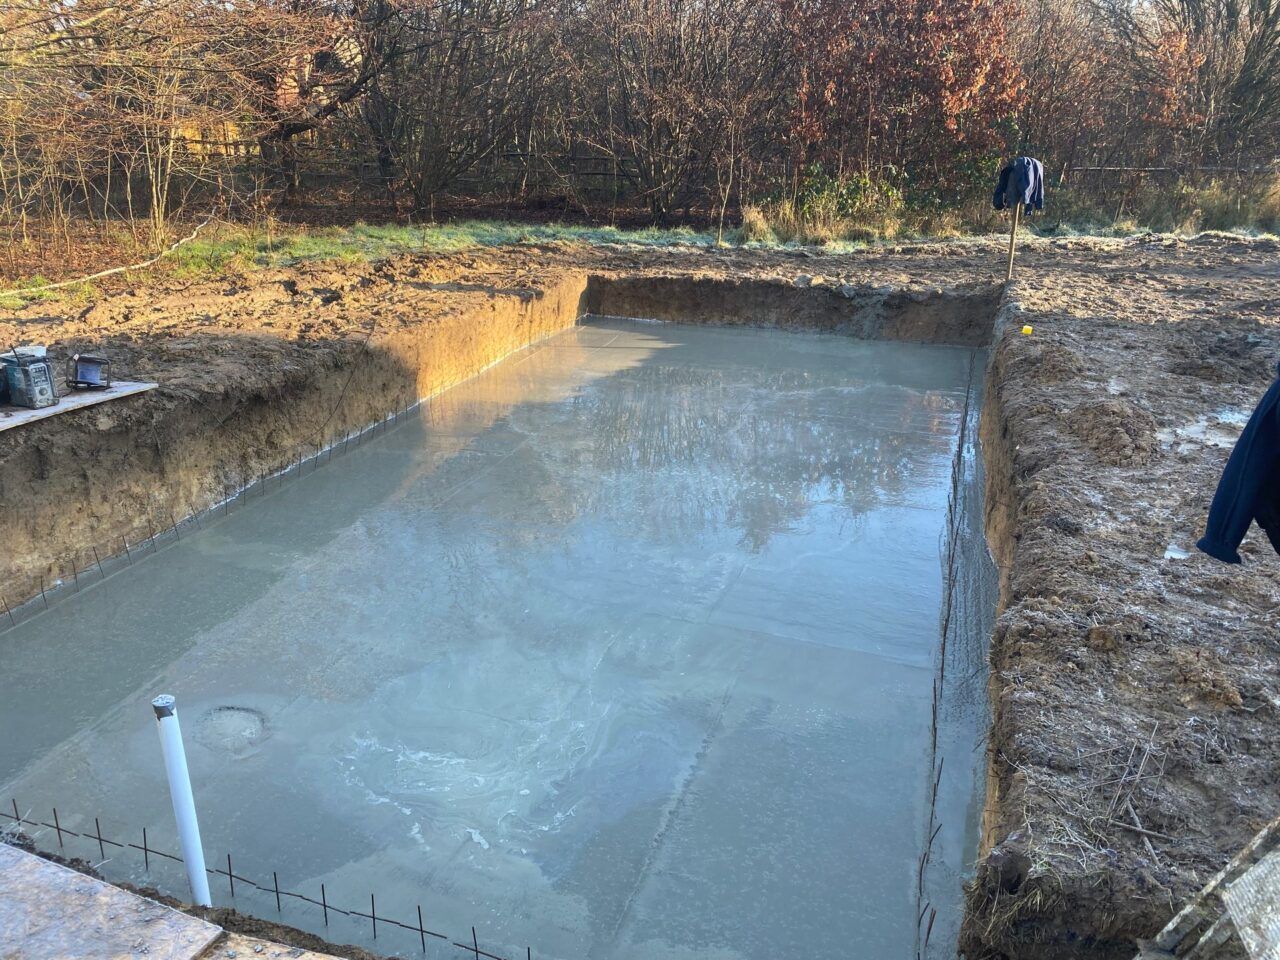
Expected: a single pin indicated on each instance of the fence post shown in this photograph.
(184, 805)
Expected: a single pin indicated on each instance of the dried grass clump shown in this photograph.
(816, 224)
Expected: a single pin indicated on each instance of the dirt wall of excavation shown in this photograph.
(870, 312)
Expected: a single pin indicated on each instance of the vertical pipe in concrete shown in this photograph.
(184, 804)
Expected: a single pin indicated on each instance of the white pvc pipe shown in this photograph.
(184, 804)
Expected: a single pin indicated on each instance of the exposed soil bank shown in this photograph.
(958, 317)
(1104, 434)
(1134, 682)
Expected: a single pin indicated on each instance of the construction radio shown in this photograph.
(28, 376)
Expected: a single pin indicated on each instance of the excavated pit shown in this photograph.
(650, 640)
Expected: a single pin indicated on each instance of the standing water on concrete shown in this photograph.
(625, 648)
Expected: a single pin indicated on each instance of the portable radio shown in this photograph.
(30, 380)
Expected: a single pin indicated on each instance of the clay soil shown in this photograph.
(1135, 683)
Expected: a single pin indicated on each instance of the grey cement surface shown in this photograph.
(623, 649)
(48, 912)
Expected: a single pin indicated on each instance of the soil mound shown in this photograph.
(1120, 433)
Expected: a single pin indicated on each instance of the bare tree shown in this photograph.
(672, 89)
(1206, 72)
(459, 76)
(142, 110)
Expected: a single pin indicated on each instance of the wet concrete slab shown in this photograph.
(623, 649)
(49, 911)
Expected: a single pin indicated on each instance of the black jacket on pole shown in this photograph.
(1021, 181)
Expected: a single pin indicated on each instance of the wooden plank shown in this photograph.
(1209, 944)
(1255, 908)
(1190, 916)
(11, 417)
(238, 945)
(47, 910)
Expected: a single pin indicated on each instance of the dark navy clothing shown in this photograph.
(1250, 485)
(1021, 181)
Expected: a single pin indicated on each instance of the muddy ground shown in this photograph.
(1135, 687)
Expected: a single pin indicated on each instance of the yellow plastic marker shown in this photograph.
(1026, 331)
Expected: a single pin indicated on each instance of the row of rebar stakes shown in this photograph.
(324, 903)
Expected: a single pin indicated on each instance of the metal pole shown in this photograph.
(184, 804)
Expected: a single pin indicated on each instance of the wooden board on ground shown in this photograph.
(11, 417)
(47, 910)
(1254, 904)
(238, 945)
